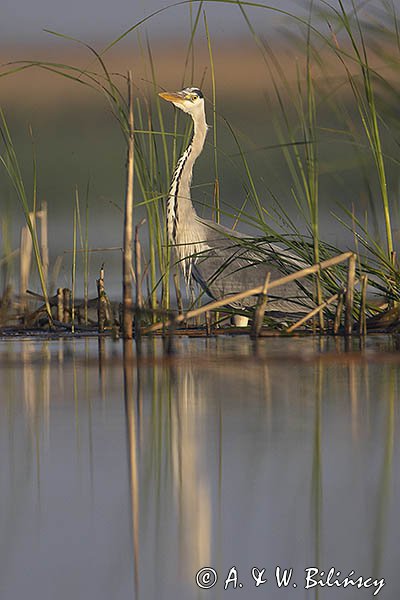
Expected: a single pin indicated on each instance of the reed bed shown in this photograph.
(151, 287)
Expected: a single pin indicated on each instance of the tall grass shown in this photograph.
(73, 266)
(363, 81)
(299, 128)
(83, 231)
(364, 95)
(214, 129)
(9, 160)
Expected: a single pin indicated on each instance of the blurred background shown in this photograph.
(78, 145)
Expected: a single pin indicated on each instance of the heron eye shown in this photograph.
(194, 97)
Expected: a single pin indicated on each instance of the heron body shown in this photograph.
(216, 257)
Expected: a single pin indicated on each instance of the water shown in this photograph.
(124, 481)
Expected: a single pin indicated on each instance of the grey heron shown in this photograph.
(216, 257)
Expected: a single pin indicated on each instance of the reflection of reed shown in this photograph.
(101, 355)
(60, 370)
(131, 437)
(28, 350)
(45, 389)
(36, 394)
(353, 393)
(390, 393)
(179, 412)
(267, 394)
(88, 400)
(21, 456)
(77, 407)
(317, 466)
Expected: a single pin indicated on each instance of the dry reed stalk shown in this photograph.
(331, 262)
(138, 280)
(363, 306)
(313, 312)
(66, 305)
(149, 298)
(85, 308)
(127, 297)
(55, 272)
(138, 269)
(133, 274)
(60, 305)
(338, 315)
(25, 258)
(44, 244)
(6, 259)
(319, 298)
(101, 301)
(5, 304)
(208, 323)
(393, 260)
(260, 309)
(351, 275)
(178, 293)
(132, 429)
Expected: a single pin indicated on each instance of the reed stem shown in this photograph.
(60, 305)
(260, 309)
(101, 301)
(363, 306)
(351, 275)
(335, 260)
(128, 223)
(66, 305)
(313, 312)
(138, 279)
(338, 314)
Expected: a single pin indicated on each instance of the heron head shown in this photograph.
(190, 100)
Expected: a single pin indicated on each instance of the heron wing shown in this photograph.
(229, 266)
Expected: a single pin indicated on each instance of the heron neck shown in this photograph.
(181, 214)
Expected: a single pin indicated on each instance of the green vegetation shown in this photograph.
(322, 126)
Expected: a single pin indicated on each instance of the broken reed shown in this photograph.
(10, 162)
(317, 268)
(64, 303)
(26, 250)
(260, 309)
(101, 302)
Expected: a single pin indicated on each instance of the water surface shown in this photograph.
(122, 479)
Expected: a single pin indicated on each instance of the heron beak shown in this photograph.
(171, 96)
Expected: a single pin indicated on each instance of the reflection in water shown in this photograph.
(385, 477)
(316, 493)
(131, 436)
(190, 479)
(121, 478)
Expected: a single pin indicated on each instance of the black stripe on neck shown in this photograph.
(177, 178)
